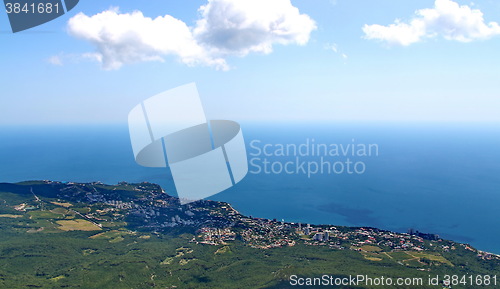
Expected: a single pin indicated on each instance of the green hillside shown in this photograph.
(56, 235)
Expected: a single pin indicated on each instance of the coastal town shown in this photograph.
(146, 207)
(266, 234)
(122, 230)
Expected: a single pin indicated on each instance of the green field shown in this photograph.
(77, 225)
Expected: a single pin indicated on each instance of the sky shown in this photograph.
(259, 60)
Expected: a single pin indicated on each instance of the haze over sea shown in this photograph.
(435, 178)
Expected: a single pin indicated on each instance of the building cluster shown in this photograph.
(216, 236)
(356, 238)
(119, 204)
(316, 234)
(265, 234)
(219, 223)
(255, 232)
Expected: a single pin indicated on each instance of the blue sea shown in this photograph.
(433, 177)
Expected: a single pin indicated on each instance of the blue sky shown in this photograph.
(322, 60)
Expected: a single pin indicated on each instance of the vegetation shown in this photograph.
(50, 242)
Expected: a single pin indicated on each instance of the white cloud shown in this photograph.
(226, 27)
(55, 60)
(335, 48)
(398, 33)
(122, 38)
(447, 19)
(332, 47)
(64, 58)
(241, 26)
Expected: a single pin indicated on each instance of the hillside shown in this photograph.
(92, 235)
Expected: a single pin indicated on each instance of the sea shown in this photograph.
(441, 178)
